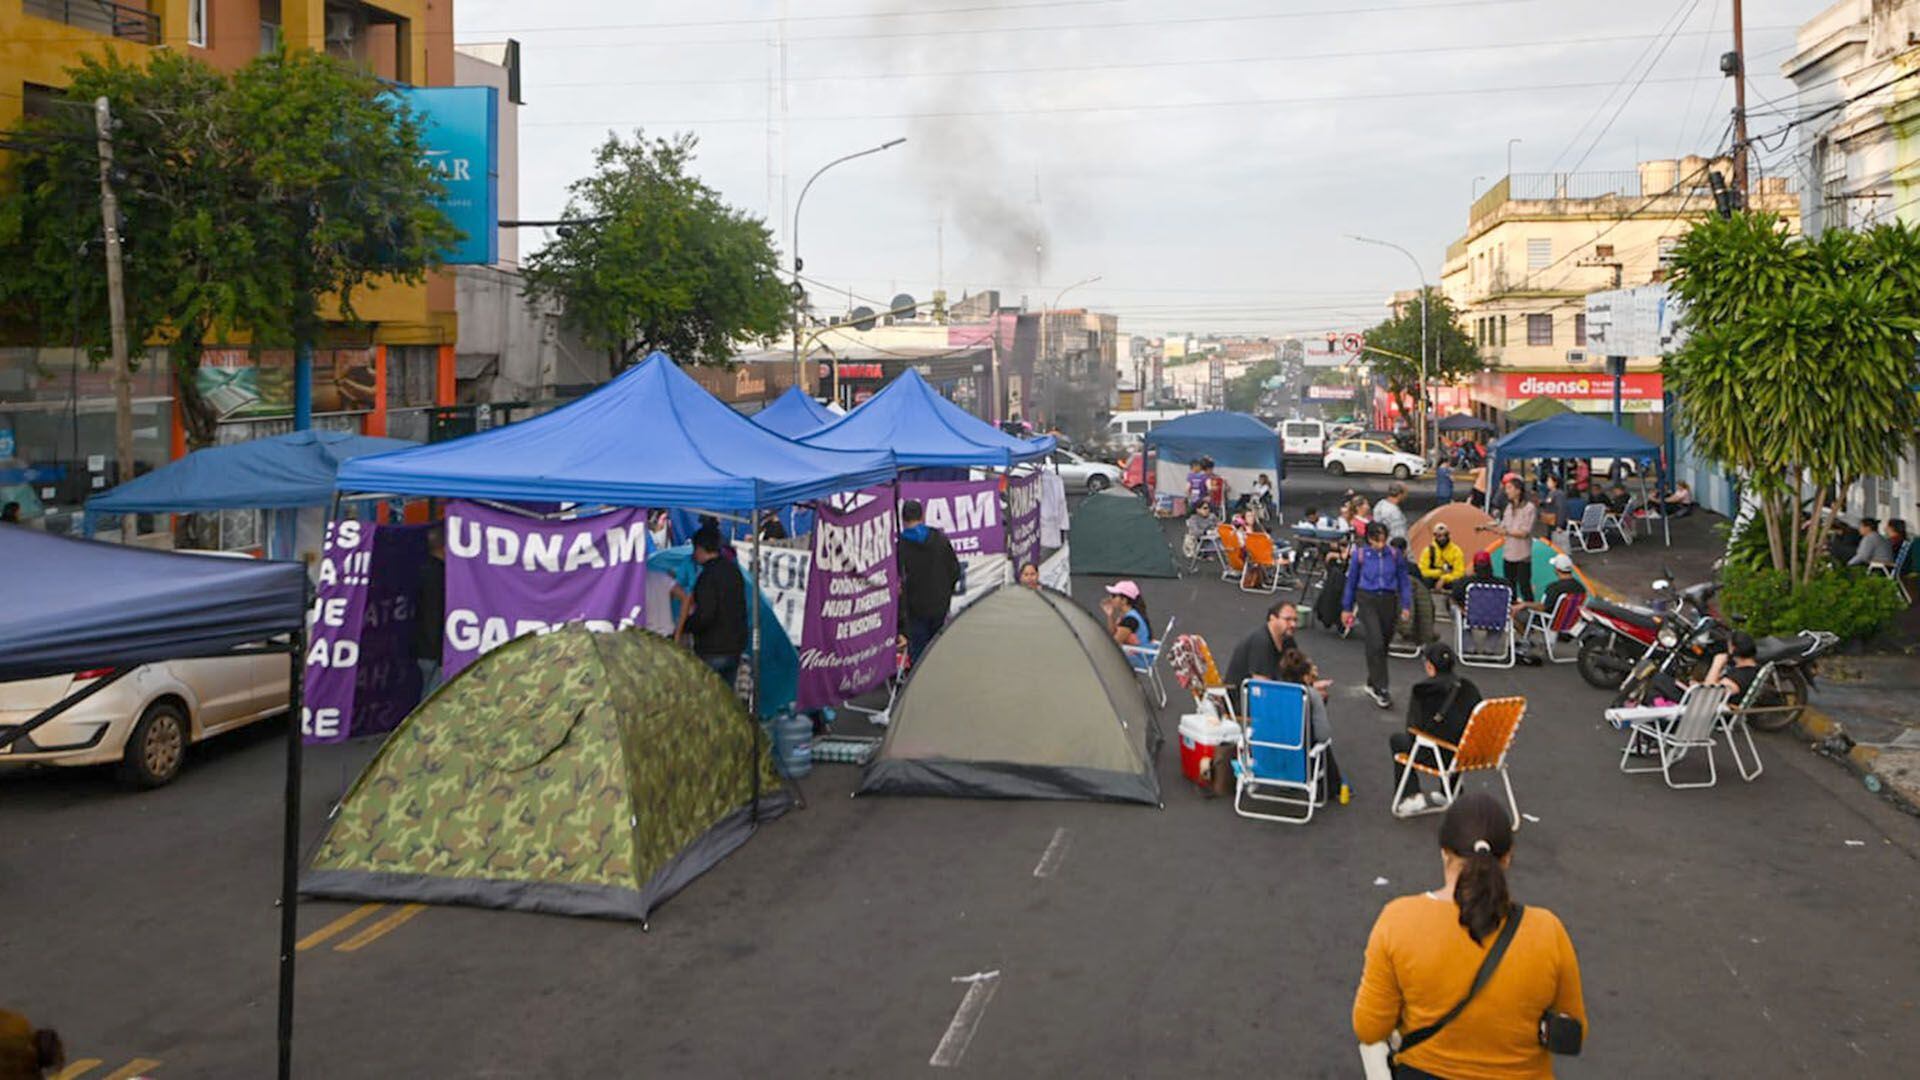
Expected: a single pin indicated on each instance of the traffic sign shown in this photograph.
(1352, 344)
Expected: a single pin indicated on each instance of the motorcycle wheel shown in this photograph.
(1602, 665)
(1790, 692)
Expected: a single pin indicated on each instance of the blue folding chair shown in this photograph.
(1277, 761)
(1489, 611)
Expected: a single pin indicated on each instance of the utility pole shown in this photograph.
(116, 303)
(1739, 74)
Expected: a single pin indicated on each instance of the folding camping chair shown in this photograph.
(1893, 569)
(1483, 745)
(1201, 549)
(1674, 731)
(1489, 610)
(1551, 624)
(1733, 721)
(1233, 555)
(1406, 646)
(1621, 522)
(1590, 532)
(1277, 760)
(1145, 660)
(1262, 573)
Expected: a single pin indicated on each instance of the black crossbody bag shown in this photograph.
(1559, 1033)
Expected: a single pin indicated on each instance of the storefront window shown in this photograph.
(57, 431)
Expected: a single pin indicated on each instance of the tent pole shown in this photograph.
(290, 839)
(753, 692)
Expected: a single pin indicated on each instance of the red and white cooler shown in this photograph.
(1200, 735)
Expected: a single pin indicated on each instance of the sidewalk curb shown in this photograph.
(1826, 735)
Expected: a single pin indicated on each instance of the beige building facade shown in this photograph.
(1537, 243)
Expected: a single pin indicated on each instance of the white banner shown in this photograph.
(1056, 570)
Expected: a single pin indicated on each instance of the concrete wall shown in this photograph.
(511, 350)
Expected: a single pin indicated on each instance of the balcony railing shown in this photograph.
(100, 16)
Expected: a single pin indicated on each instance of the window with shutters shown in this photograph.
(1503, 331)
(1540, 329)
(1580, 330)
(1539, 253)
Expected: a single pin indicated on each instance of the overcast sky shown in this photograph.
(1205, 158)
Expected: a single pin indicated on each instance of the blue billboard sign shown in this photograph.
(460, 127)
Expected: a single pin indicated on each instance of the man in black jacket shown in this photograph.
(929, 572)
(429, 621)
(716, 614)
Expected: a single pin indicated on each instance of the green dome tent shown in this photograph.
(574, 772)
(1538, 408)
(1115, 533)
(1023, 696)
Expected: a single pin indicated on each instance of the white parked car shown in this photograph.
(144, 721)
(1079, 474)
(1372, 456)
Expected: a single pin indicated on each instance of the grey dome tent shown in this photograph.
(1115, 534)
(1023, 696)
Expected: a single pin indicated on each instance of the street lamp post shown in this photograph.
(1420, 270)
(798, 289)
(1510, 143)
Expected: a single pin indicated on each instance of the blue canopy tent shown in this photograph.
(283, 473)
(79, 604)
(795, 414)
(1241, 447)
(925, 430)
(1573, 435)
(652, 437)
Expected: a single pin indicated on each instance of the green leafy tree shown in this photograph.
(1244, 390)
(1799, 369)
(248, 203)
(1451, 354)
(659, 261)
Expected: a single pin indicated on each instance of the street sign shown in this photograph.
(1351, 344)
(1642, 321)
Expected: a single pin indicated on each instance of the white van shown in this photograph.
(1303, 438)
(1126, 429)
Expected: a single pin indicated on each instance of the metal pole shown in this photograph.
(303, 386)
(753, 635)
(1421, 397)
(116, 307)
(1510, 143)
(290, 835)
(798, 205)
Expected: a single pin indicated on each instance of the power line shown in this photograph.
(1147, 107)
(767, 20)
(1574, 140)
(1624, 101)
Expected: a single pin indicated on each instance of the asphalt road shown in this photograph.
(1750, 930)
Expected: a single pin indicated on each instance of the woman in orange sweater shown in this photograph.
(1425, 950)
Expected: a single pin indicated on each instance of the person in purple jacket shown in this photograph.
(1378, 595)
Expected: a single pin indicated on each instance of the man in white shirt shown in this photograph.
(1387, 511)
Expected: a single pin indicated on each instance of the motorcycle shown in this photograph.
(1789, 667)
(1685, 643)
(1614, 635)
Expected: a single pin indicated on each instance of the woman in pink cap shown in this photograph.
(1126, 614)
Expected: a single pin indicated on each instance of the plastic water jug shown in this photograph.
(793, 745)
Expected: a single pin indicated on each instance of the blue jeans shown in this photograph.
(727, 667)
(919, 633)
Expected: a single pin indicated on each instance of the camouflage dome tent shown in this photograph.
(574, 772)
(1024, 695)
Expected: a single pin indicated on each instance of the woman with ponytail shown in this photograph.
(1425, 956)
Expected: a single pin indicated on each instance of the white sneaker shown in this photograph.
(1411, 805)
(1437, 800)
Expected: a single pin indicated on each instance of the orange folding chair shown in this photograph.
(1233, 555)
(1482, 746)
(1262, 572)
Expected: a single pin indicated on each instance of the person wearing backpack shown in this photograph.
(1480, 987)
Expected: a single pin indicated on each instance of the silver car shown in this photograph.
(145, 721)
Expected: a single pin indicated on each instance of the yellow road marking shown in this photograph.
(77, 1068)
(136, 1067)
(380, 929)
(336, 926)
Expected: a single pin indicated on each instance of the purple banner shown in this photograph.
(852, 617)
(360, 675)
(968, 511)
(1023, 520)
(509, 575)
